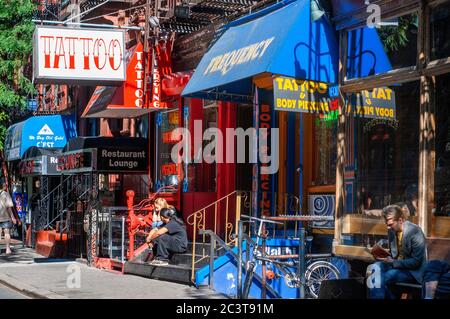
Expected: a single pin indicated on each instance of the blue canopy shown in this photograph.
(366, 54)
(280, 40)
(50, 131)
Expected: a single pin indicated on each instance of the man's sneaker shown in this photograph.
(159, 262)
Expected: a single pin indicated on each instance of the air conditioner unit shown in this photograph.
(321, 205)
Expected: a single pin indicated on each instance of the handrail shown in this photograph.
(45, 199)
(210, 205)
(65, 209)
(215, 238)
(54, 189)
(198, 219)
(59, 215)
(146, 201)
(198, 222)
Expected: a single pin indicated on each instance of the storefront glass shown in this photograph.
(441, 205)
(440, 31)
(382, 159)
(202, 174)
(109, 185)
(325, 132)
(167, 172)
(378, 50)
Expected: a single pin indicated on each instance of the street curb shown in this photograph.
(30, 291)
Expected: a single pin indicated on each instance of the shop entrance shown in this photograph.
(287, 185)
(278, 192)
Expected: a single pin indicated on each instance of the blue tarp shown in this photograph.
(50, 131)
(280, 40)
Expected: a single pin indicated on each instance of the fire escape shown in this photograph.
(52, 98)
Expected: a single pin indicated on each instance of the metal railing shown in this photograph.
(214, 215)
(218, 213)
(62, 196)
(57, 188)
(60, 216)
(216, 240)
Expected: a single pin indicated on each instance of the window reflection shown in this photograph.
(382, 159)
(440, 32)
(442, 147)
(391, 46)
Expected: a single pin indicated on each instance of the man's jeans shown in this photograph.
(438, 270)
(381, 275)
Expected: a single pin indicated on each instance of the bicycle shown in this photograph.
(317, 267)
(316, 272)
(250, 271)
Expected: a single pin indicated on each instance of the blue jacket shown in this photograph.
(414, 248)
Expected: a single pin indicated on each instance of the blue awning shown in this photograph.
(279, 40)
(50, 131)
(366, 54)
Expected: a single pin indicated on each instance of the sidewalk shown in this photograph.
(33, 275)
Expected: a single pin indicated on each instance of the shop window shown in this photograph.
(168, 173)
(441, 205)
(382, 159)
(142, 126)
(324, 163)
(440, 31)
(202, 175)
(92, 127)
(390, 46)
(109, 189)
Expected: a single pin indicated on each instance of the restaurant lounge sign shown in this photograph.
(73, 56)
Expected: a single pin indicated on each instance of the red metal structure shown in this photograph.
(140, 216)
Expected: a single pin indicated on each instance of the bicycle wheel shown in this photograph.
(317, 272)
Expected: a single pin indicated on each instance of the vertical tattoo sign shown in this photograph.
(265, 119)
(255, 155)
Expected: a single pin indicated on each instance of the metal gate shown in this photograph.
(76, 235)
(79, 198)
(112, 233)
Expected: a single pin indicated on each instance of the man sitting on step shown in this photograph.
(169, 238)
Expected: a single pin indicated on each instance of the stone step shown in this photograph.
(179, 269)
(186, 259)
(173, 273)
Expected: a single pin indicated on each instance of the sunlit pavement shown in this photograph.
(8, 293)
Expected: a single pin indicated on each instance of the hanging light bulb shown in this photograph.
(316, 11)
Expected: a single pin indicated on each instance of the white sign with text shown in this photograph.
(69, 55)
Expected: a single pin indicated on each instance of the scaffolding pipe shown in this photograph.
(87, 24)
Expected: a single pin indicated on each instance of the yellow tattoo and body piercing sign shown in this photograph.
(301, 96)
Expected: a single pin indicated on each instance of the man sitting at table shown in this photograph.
(407, 260)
